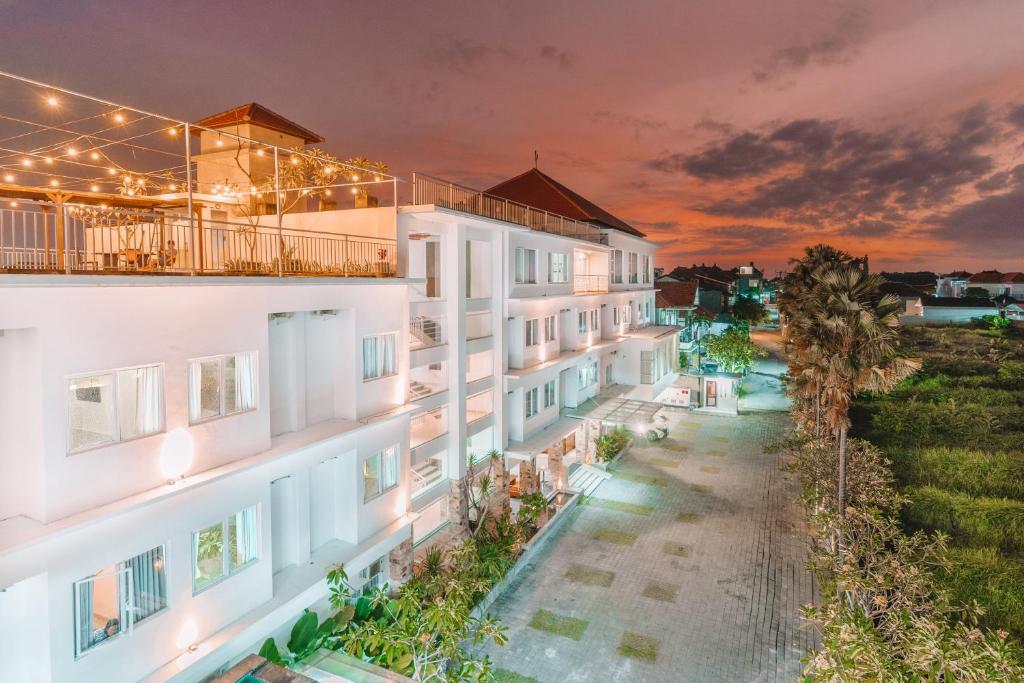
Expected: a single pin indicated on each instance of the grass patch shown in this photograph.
(609, 535)
(549, 622)
(620, 506)
(641, 478)
(701, 488)
(688, 517)
(589, 576)
(962, 470)
(670, 445)
(710, 469)
(677, 549)
(979, 522)
(657, 590)
(720, 439)
(664, 462)
(636, 646)
(715, 453)
(995, 582)
(506, 676)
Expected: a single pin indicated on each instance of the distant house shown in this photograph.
(749, 281)
(909, 295)
(952, 284)
(997, 283)
(717, 285)
(1014, 310)
(945, 309)
(674, 301)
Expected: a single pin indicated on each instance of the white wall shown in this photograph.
(21, 425)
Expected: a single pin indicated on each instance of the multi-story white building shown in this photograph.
(213, 393)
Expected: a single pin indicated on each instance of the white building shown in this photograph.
(188, 440)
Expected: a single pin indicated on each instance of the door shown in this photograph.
(282, 517)
(711, 394)
(433, 269)
(322, 501)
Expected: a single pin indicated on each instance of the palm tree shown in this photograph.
(856, 331)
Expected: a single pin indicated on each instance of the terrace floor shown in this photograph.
(687, 565)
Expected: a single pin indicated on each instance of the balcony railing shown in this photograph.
(427, 427)
(479, 406)
(426, 332)
(71, 239)
(430, 190)
(478, 325)
(587, 284)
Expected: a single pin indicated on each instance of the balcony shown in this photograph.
(589, 284)
(427, 427)
(426, 332)
(430, 190)
(478, 325)
(479, 406)
(427, 380)
(116, 190)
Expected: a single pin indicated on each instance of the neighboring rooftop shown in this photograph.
(709, 276)
(536, 188)
(673, 294)
(958, 275)
(259, 115)
(901, 289)
(957, 302)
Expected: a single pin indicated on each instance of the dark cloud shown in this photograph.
(836, 46)
(639, 125)
(466, 55)
(730, 239)
(1016, 116)
(717, 127)
(994, 222)
(562, 58)
(827, 173)
(871, 228)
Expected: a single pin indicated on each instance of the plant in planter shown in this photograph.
(611, 443)
(365, 172)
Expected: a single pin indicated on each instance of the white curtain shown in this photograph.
(246, 534)
(390, 467)
(195, 391)
(245, 381)
(370, 358)
(141, 401)
(389, 351)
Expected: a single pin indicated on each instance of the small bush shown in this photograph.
(611, 444)
(969, 521)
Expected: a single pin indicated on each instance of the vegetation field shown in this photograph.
(954, 433)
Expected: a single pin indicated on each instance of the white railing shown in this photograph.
(430, 190)
(478, 325)
(426, 332)
(586, 284)
(50, 238)
(479, 406)
(427, 427)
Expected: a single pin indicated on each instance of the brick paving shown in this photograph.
(716, 575)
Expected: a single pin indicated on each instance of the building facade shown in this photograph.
(193, 431)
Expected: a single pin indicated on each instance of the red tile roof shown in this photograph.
(988, 277)
(259, 115)
(540, 190)
(675, 294)
(1013, 277)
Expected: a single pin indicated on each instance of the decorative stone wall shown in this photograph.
(400, 561)
(527, 478)
(458, 510)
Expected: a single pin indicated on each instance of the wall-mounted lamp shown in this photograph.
(176, 454)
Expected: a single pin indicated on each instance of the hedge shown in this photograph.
(978, 473)
(996, 583)
(969, 521)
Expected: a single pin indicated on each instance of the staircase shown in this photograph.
(585, 478)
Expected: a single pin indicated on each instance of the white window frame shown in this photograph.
(116, 419)
(594, 325)
(582, 320)
(616, 269)
(549, 328)
(532, 403)
(196, 363)
(646, 265)
(382, 486)
(532, 334)
(615, 315)
(526, 266)
(632, 268)
(225, 552)
(365, 575)
(550, 394)
(379, 365)
(127, 608)
(558, 267)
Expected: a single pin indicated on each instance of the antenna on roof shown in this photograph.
(536, 158)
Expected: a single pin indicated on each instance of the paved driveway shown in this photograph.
(762, 389)
(688, 565)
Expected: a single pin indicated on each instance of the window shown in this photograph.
(532, 337)
(114, 599)
(587, 375)
(615, 315)
(617, 267)
(583, 321)
(632, 268)
(549, 394)
(647, 268)
(224, 548)
(373, 574)
(380, 473)
(549, 328)
(558, 267)
(115, 406)
(593, 319)
(627, 312)
(531, 403)
(526, 266)
(433, 263)
(379, 357)
(221, 385)
(647, 310)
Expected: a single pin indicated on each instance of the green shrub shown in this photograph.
(611, 443)
(996, 583)
(974, 472)
(1011, 373)
(978, 522)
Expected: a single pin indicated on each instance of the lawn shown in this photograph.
(954, 433)
(549, 622)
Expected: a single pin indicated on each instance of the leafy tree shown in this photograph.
(980, 292)
(733, 349)
(749, 311)
(996, 322)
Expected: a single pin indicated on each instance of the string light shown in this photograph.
(26, 163)
(172, 187)
(52, 101)
(8, 178)
(48, 160)
(14, 205)
(173, 131)
(119, 117)
(259, 152)
(95, 156)
(72, 151)
(95, 188)
(111, 171)
(327, 192)
(54, 182)
(220, 143)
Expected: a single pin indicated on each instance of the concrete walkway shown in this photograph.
(762, 389)
(688, 565)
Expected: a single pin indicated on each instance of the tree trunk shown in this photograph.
(817, 409)
(842, 472)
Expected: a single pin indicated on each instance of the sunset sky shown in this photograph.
(729, 131)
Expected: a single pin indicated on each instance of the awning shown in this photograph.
(619, 411)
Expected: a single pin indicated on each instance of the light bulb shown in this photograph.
(8, 178)
(111, 171)
(119, 117)
(172, 130)
(52, 101)
(95, 156)
(72, 151)
(26, 162)
(54, 182)
(187, 635)
(95, 188)
(48, 160)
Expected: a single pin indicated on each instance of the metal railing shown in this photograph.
(585, 284)
(71, 239)
(430, 190)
